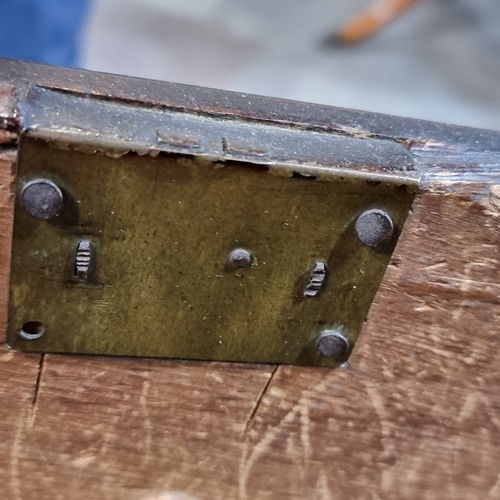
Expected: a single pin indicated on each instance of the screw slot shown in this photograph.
(32, 330)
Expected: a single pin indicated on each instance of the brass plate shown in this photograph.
(161, 230)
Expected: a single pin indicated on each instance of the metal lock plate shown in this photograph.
(183, 256)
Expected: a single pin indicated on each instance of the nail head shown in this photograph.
(332, 344)
(374, 227)
(238, 258)
(41, 198)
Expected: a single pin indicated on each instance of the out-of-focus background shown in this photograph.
(440, 60)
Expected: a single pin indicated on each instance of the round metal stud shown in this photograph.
(333, 344)
(42, 199)
(374, 227)
(238, 258)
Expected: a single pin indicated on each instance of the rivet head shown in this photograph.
(332, 344)
(239, 258)
(42, 199)
(374, 227)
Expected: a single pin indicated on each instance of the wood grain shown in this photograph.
(7, 166)
(414, 415)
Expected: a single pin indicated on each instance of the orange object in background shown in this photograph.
(371, 20)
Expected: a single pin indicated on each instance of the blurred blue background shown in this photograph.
(43, 30)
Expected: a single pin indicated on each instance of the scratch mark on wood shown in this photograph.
(305, 437)
(167, 495)
(402, 292)
(492, 416)
(495, 489)
(386, 437)
(259, 400)
(253, 452)
(38, 386)
(468, 407)
(143, 399)
(83, 461)
(495, 196)
(322, 487)
(465, 285)
(437, 266)
(15, 482)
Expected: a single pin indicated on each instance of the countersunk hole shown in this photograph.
(32, 330)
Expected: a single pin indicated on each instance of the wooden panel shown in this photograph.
(7, 166)
(121, 428)
(18, 391)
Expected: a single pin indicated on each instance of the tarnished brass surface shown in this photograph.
(161, 230)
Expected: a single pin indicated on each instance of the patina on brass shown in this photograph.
(161, 229)
(186, 233)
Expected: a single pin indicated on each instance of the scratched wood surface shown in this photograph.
(415, 415)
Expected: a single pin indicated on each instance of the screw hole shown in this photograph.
(32, 330)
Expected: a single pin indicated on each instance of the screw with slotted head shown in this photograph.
(42, 199)
(374, 227)
(333, 344)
